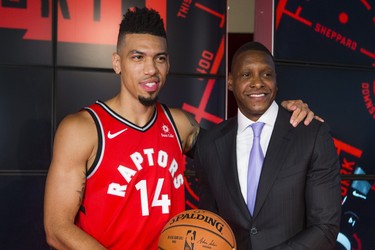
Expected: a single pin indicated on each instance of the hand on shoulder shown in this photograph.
(301, 112)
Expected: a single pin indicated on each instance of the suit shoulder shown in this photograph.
(284, 118)
(224, 126)
(218, 130)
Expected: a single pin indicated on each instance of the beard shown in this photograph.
(148, 101)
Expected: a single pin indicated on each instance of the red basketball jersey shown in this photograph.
(136, 183)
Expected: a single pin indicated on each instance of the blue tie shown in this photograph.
(255, 166)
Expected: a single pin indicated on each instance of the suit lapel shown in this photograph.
(275, 157)
(226, 148)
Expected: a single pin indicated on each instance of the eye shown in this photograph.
(245, 74)
(137, 57)
(268, 74)
(161, 59)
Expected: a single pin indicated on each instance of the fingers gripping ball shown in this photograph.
(197, 229)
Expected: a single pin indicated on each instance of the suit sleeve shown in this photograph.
(206, 197)
(323, 198)
(191, 152)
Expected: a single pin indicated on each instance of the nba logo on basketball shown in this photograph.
(189, 240)
(197, 229)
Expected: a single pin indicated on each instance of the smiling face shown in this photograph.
(143, 62)
(253, 82)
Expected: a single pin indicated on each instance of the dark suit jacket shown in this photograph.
(298, 200)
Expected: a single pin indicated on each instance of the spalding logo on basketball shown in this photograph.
(197, 229)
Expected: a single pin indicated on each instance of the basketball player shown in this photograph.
(116, 175)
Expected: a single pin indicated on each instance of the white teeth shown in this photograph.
(150, 84)
(257, 95)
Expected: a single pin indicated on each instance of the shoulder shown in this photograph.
(308, 132)
(80, 121)
(178, 114)
(225, 129)
(226, 126)
(75, 142)
(78, 128)
(187, 127)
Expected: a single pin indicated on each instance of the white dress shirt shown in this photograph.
(245, 141)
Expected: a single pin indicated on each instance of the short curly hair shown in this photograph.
(141, 21)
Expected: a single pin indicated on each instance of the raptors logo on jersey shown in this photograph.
(136, 182)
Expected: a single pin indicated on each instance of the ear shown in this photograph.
(230, 81)
(116, 63)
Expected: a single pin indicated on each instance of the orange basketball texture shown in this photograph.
(197, 229)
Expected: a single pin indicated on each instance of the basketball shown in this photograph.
(197, 229)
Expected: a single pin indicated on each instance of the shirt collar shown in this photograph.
(269, 118)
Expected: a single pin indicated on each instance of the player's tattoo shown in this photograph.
(194, 135)
(82, 191)
(191, 119)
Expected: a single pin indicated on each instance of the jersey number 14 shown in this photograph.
(158, 200)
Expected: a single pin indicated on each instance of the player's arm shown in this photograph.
(188, 128)
(74, 144)
(301, 112)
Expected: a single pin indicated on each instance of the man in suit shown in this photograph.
(297, 202)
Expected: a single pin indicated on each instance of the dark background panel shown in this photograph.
(337, 32)
(76, 89)
(25, 108)
(21, 212)
(336, 95)
(85, 55)
(188, 93)
(195, 35)
(15, 50)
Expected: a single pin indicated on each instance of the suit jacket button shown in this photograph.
(253, 230)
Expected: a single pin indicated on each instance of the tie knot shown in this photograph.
(257, 128)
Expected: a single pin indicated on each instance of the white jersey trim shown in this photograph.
(128, 123)
(171, 121)
(100, 151)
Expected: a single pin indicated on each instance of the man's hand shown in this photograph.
(301, 111)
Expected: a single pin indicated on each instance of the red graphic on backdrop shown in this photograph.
(334, 36)
(200, 111)
(368, 99)
(208, 64)
(185, 7)
(343, 18)
(98, 24)
(212, 12)
(37, 26)
(323, 29)
(349, 155)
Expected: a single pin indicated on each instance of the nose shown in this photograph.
(256, 81)
(149, 67)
